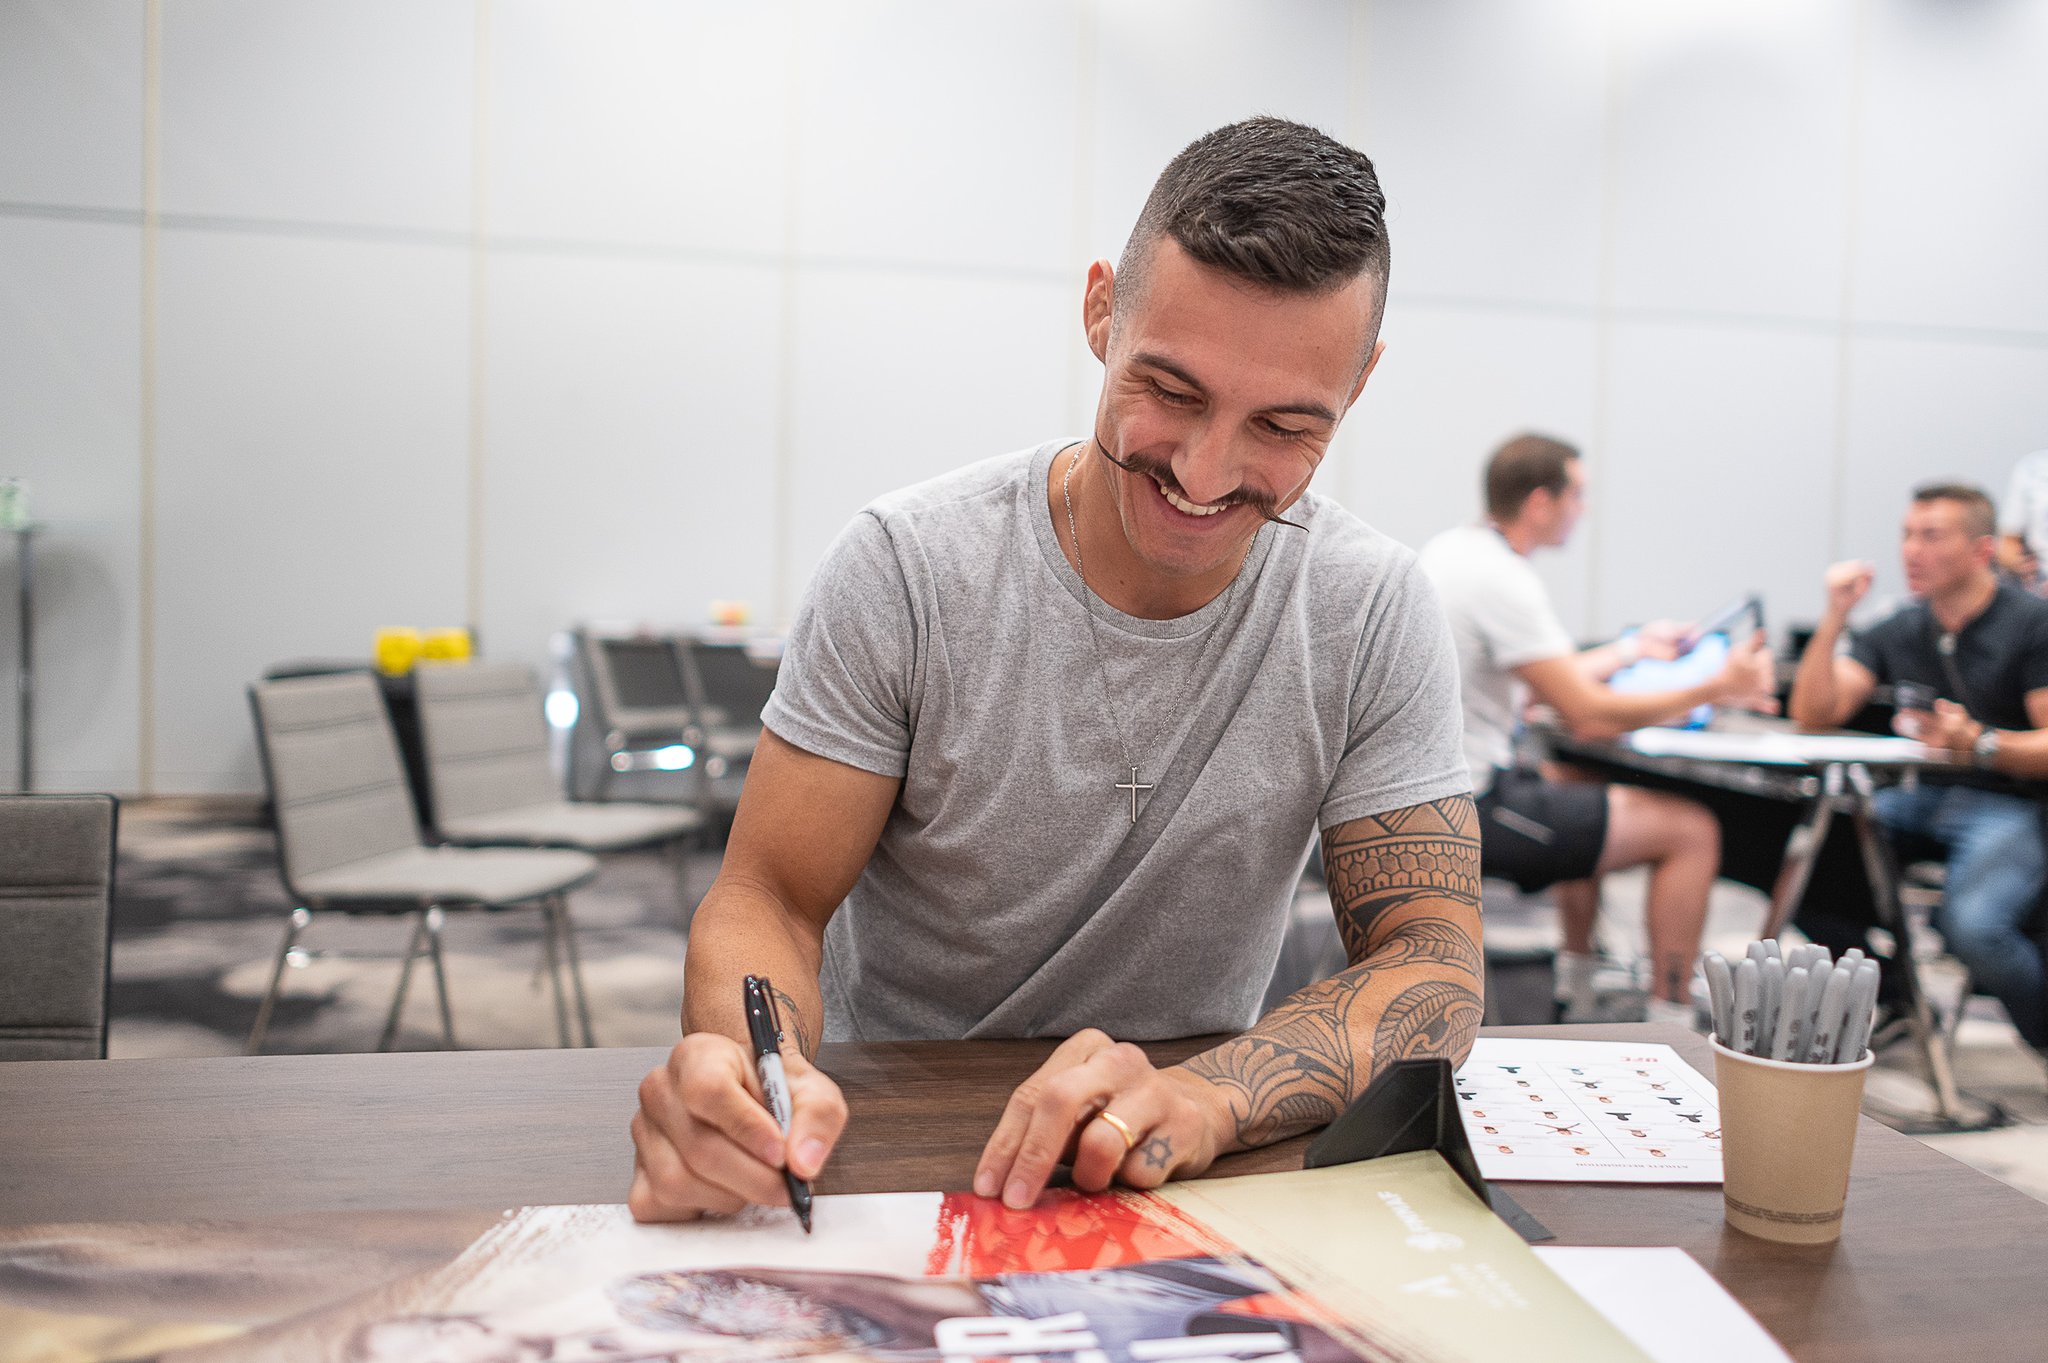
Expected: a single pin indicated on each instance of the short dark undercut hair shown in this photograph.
(1277, 204)
(1979, 516)
(1521, 468)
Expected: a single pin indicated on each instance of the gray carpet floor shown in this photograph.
(201, 911)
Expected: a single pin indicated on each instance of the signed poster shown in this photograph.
(1394, 1261)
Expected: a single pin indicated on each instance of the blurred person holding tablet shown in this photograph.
(1538, 829)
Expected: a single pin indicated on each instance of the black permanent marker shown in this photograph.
(765, 1029)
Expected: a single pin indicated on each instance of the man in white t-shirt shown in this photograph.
(1539, 831)
(2023, 523)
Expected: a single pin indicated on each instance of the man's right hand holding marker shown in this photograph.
(704, 1140)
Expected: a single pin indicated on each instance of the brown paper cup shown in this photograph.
(1787, 1132)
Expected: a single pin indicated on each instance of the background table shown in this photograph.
(1820, 789)
(1936, 1259)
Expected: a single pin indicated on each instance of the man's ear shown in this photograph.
(1098, 305)
(1379, 348)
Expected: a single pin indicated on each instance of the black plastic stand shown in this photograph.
(1412, 1106)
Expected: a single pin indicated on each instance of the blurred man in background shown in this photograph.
(1540, 831)
(2023, 528)
(1972, 651)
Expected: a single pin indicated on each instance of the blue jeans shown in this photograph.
(1996, 863)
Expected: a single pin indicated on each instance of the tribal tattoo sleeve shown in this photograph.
(793, 1025)
(1405, 888)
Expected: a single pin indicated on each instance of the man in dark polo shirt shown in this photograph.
(1976, 649)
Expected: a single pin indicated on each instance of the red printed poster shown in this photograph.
(1091, 1279)
(1393, 1261)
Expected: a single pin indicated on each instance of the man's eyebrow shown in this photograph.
(1152, 360)
(1160, 362)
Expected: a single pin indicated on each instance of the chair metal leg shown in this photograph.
(552, 960)
(1802, 850)
(432, 921)
(1884, 884)
(1952, 1021)
(299, 919)
(412, 952)
(575, 967)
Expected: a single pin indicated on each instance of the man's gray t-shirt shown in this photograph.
(945, 640)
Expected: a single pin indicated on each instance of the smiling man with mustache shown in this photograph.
(1055, 733)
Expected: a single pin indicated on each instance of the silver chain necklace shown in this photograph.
(1133, 785)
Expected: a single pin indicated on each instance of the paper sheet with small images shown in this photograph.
(1589, 1112)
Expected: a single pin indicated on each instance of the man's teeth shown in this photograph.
(1187, 507)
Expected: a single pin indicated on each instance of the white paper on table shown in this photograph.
(1668, 1306)
(1588, 1112)
(1783, 749)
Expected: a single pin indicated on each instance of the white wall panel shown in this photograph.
(944, 172)
(1486, 124)
(69, 423)
(305, 111)
(71, 100)
(1733, 136)
(939, 134)
(1451, 386)
(1167, 71)
(1716, 476)
(631, 437)
(1928, 410)
(1953, 176)
(641, 121)
(312, 464)
(902, 377)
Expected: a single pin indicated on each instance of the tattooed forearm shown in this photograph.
(1382, 862)
(1405, 889)
(1436, 1017)
(1306, 1060)
(793, 1025)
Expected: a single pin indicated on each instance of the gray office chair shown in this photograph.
(727, 687)
(487, 766)
(348, 839)
(637, 700)
(56, 903)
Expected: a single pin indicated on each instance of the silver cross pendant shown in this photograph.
(1133, 787)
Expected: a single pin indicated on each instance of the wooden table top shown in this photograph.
(1936, 1260)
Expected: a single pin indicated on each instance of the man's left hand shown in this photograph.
(1062, 1114)
(1950, 726)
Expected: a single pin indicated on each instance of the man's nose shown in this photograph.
(1208, 467)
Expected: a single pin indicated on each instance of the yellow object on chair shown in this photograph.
(447, 646)
(398, 648)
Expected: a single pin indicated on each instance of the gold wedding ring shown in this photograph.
(1122, 1129)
